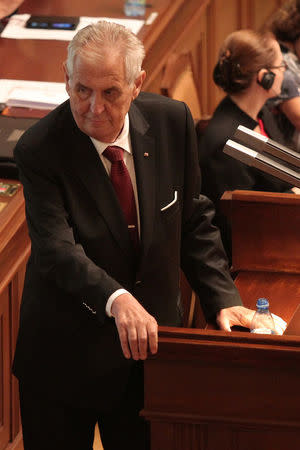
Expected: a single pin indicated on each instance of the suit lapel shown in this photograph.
(143, 147)
(87, 165)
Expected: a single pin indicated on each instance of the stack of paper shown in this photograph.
(32, 94)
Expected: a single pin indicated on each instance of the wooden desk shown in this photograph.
(14, 252)
(195, 26)
(42, 60)
(208, 389)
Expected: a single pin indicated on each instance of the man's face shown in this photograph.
(100, 96)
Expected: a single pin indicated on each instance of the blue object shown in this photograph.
(262, 321)
(135, 8)
(262, 303)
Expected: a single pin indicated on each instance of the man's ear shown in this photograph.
(67, 78)
(138, 83)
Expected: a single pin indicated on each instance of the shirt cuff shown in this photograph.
(111, 300)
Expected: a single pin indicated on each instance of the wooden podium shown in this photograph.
(208, 389)
(14, 252)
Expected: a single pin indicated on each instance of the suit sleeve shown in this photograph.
(203, 259)
(54, 251)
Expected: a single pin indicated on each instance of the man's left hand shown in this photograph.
(241, 316)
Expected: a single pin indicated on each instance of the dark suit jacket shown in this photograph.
(221, 172)
(81, 251)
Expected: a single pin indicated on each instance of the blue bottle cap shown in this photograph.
(262, 303)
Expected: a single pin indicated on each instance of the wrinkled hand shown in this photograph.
(239, 315)
(136, 327)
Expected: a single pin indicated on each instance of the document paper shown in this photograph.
(15, 29)
(32, 94)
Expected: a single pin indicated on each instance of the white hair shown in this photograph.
(99, 38)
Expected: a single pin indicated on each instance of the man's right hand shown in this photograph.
(136, 327)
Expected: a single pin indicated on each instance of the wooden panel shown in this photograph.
(14, 251)
(265, 229)
(281, 289)
(224, 387)
(178, 436)
(15, 301)
(179, 81)
(4, 369)
(17, 444)
(273, 438)
(262, 10)
(293, 327)
(180, 34)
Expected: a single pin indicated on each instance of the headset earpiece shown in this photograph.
(267, 80)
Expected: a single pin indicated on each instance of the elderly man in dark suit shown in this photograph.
(110, 182)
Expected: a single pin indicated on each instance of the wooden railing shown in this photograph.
(14, 252)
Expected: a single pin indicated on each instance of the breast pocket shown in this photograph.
(170, 209)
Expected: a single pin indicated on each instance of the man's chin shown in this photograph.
(99, 130)
(100, 135)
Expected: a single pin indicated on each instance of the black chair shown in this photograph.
(9, 170)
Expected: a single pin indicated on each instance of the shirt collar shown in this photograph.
(123, 140)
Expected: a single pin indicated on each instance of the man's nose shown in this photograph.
(97, 104)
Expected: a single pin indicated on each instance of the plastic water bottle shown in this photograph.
(262, 321)
(135, 8)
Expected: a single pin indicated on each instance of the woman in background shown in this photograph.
(250, 70)
(285, 25)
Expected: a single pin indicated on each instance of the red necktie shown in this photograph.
(121, 181)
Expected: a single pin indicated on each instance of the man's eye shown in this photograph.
(111, 93)
(82, 90)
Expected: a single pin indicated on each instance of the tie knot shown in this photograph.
(113, 153)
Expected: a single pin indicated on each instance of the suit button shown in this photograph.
(137, 282)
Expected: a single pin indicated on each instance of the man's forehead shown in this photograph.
(110, 66)
(102, 56)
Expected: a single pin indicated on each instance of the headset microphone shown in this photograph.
(267, 80)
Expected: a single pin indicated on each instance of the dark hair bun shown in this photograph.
(218, 76)
(228, 76)
(242, 55)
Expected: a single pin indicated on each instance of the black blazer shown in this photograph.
(81, 250)
(221, 172)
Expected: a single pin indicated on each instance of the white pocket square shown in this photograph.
(172, 202)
